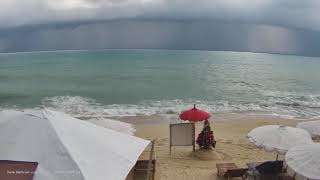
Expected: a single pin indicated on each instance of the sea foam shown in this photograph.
(293, 106)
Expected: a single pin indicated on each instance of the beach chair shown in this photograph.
(146, 165)
(230, 170)
(316, 138)
(265, 170)
(286, 177)
(17, 170)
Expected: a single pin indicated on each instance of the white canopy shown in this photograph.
(313, 127)
(303, 161)
(67, 148)
(118, 126)
(278, 138)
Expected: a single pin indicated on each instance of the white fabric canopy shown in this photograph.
(67, 148)
(313, 127)
(278, 138)
(118, 126)
(303, 161)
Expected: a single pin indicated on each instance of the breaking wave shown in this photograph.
(288, 105)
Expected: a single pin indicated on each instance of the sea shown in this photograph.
(109, 83)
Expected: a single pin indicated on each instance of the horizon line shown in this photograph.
(157, 49)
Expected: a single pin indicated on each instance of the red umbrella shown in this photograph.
(194, 115)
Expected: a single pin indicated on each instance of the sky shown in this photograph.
(275, 26)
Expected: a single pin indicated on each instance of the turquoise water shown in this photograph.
(131, 82)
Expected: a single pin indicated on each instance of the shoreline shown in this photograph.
(145, 120)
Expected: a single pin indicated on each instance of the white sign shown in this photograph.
(182, 134)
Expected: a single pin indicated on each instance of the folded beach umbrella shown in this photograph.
(278, 138)
(67, 148)
(194, 115)
(303, 161)
(313, 127)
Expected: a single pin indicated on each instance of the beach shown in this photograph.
(232, 145)
(159, 89)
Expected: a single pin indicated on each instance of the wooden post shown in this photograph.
(170, 134)
(194, 132)
(150, 160)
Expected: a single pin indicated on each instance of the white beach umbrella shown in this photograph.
(118, 126)
(67, 148)
(303, 161)
(278, 138)
(313, 127)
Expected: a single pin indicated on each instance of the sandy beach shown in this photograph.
(232, 145)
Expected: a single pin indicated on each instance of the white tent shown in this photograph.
(278, 138)
(313, 127)
(303, 162)
(67, 148)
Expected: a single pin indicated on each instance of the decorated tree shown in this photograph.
(205, 138)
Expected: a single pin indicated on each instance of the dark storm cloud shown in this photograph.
(196, 35)
(277, 26)
(297, 13)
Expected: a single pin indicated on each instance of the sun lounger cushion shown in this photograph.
(270, 167)
(237, 172)
(230, 170)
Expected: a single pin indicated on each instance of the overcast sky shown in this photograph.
(279, 26)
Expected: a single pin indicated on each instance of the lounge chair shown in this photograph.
(286, 177)
(146, 165)
(265, 170)
(230, 170)
(17, 170)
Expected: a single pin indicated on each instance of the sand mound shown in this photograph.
(207, 154)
